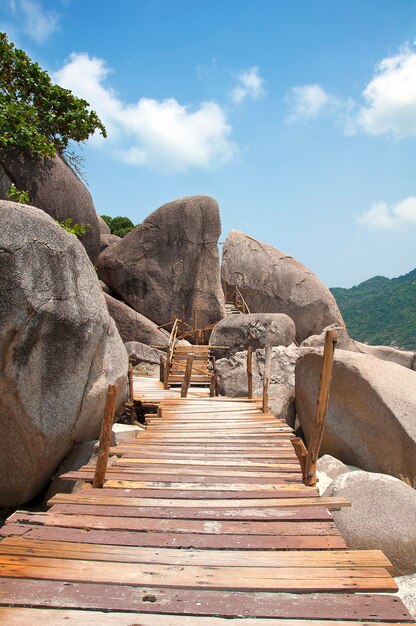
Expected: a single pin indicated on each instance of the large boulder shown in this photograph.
(371, 413)
(274, 282)
(232, 378)
(108, 240)
(170, 263)
(386, 353)
(56, 189)
(135, 327)
(103, 226)
(253, 329)
(382, 516)
(59, 350)
(145, 358)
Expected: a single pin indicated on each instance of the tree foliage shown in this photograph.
(119, 226)
(35, 113)
(381, 311)
(72, 227)
(15, 194)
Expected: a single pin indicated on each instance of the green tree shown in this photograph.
(119, 226)
(35, 113)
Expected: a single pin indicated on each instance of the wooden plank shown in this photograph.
(285, 466)
(232, 558)
(274, 528)
(102, 499)
(242, 513)
(156, 600)
(188, 494)
(182, 602)
(191, 486)
(59, 617)
(221, 577)
(159, 474)
(179, 540)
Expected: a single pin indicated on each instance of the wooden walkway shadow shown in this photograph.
(203, 520)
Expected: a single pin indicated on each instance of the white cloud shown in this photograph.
(249, 85)
(34, 20)
(150, 132)
(307, 102)
(391, 97)
(380, 215)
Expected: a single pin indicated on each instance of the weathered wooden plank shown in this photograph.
(167, 601)
(213, 577)
(192, 486)
(212, 495)
(65, 549)
(242, 513)
(223, 463)
(59, 617)
(225, 527)
(180, 540)
(125, 473)
(100, 498)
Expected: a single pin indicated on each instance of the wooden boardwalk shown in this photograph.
(202, 520)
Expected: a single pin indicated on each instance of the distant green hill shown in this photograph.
(381, 311)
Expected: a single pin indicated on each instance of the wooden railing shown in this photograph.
(240, 302)
(308, 457)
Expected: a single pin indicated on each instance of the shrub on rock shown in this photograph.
(59, 350)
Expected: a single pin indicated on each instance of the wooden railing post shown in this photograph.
(315, 439)
(105, 436)
(162, 368)
(131, 395)
(266, 377)
(187, 378)
(213, 388)
(249, 372)
(166, 372)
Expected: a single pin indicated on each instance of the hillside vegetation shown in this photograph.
(381, 310)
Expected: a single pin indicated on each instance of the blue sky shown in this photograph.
(298, 116)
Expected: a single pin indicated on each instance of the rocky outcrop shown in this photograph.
(144, 358)
(274, 282)
(170, 262)
(386, 353)
(370, 421)
(56, 189)
(135, 327)
(103, 226)
(108, 240)
(382, 516)
(252, 329)
(59, 350)
(232, 379)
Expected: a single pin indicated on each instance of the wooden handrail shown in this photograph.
(308, 457)
(240, 296)
(105, 436)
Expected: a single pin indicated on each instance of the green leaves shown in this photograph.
(16, 195)
(34, 112)
(73, 228)
(119, 226)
